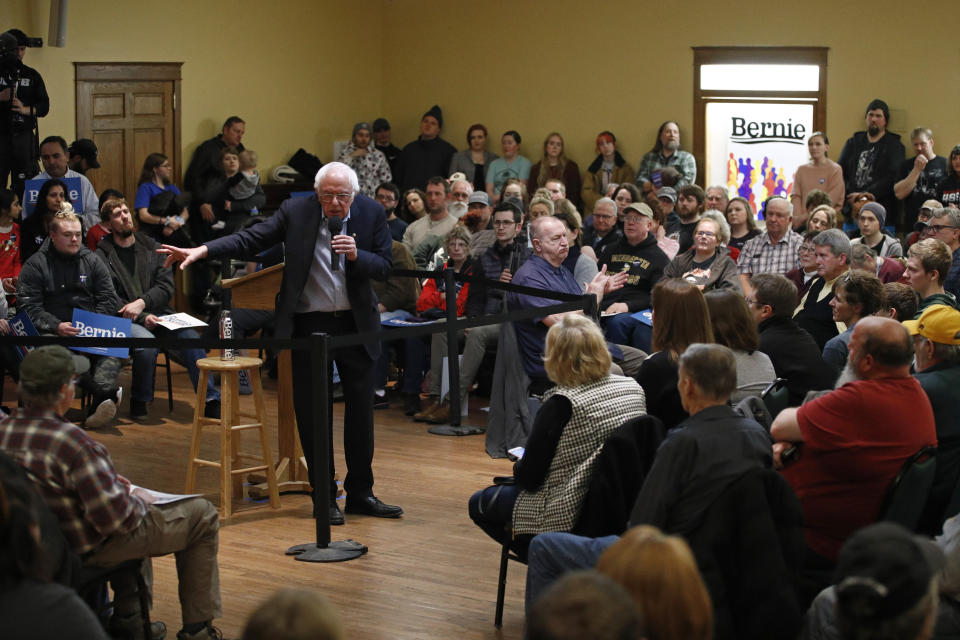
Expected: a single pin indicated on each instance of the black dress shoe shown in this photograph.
(371, 506)
(411, 403)
(336, 516)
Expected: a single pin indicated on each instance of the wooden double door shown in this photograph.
(129, 110)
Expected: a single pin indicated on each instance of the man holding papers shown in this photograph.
(145, 287)
(64, 275)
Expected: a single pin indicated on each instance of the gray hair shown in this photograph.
(712, 367)
(781, 198)
(606, 200)
(455, 182)
(341, 169)
(952, 214)
(721, 188)
(723, 227)
(836, 239)
(862, 257)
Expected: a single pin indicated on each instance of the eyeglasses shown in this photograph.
(750, 301)
(937, 228)
(604, 216)
(706, 234)
(632, 220)
(339, 197)
(503, 223)
(804, 249)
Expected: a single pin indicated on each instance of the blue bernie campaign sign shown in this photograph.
(21, 325)
(31, 189)
(645, 316)
(97, 325)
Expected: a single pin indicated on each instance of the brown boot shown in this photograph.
(441, 414)
(421, 416)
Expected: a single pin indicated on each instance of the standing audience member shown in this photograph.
(53, 155)
(666, 152)
(870, 219)
(948, 191)
(773, 251)
(870, 160)
(105, 518)
(927, 262)
(607, 168)
(919, 177)
(363, 157)
(856, 295)
(945, 225)
(734, 327)
(381, 140)
(555, 165)
(820, 173)
(18, 151)
(428, 155)
(814, 312)
(206, 168)
(511, 165)
(474, 161)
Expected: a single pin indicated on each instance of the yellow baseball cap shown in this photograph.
(938, 323)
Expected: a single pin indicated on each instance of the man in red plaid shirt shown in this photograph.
(105, 520)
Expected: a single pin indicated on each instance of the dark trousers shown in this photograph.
(356, 378)
(17, 159)
(491, 509)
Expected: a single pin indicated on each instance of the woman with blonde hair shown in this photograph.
(661, 574)
(576, 417)
(555, 165)
(822, 218)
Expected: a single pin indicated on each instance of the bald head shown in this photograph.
(881, 348)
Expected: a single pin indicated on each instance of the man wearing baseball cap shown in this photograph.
(638, 255)
(936, 345)
(83, 155)
(104, 518)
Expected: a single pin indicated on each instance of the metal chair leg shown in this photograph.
(502, 584)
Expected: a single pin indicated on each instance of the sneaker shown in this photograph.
(206, 633)
(131, 628)
(421, 416)
(219, 224)
(138, 408)
(380, 401)
(245, 388)
(104, 413)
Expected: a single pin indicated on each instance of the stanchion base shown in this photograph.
(336, 551)
(456, 430)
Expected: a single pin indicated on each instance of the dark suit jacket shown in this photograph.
(297, 223)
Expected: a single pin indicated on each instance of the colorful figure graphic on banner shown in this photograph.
(756, 186)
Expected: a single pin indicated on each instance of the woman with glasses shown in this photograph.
(803, 275)
(707, 264)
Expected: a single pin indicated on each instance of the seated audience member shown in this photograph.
(82, 155)
(814, 313)
(9, 240)
(478, 220)
(945, 225)
(581, 261)
(51, 199)
(822, 218)
(159, 216)
(53, 156)
(716, 198)
(105, 520)
(936, 345)
(556, 166)
(583, 605)
(396, 298)
(900, 302)
(855, 296)
(814, 200)
(928, 262)
(413, 205)
(638, 256)
(661, 574)
(666, 152)
(734, 327)
(804, 275)
(607, 168)
(388, 196)
(853, 441)
(742, 221)
(295, 614)
(692, 467)
(144, 288)
(669, 246)
(667, 201)
(516, 189)
(870, 219)
(866, 259)
(428, 155)
(544, 270)
(793, 352)
(539, 206)
(49, 290)
(625, 194)
(773, 251)
(921, 226)
(474, 161)
(690, 200)
(510, 165)
(28, 593)
(96, 234)
(366, 160)
(604, 230)
(575, 419)
(436, 222)
(680, 319)
(707, 263)
(885, 587)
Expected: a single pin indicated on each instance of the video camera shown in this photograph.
(9, 41)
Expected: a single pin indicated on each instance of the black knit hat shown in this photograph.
(436, 112)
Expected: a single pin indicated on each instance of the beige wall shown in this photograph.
(301, 72)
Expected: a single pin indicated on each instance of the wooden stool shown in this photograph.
(229, 422)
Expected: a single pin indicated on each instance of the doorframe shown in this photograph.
(133, 72)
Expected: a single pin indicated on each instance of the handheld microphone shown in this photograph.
(334, 224)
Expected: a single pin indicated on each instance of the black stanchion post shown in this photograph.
(453, 365)
(323, 550)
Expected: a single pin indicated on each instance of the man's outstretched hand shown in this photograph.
(182, 255)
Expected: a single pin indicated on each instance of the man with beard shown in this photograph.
(145, 287)
(437, 222)
(919, 177)
(667, 153)
(853, 441)
(388, 196)
(870, 160)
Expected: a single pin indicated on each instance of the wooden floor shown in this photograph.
(430, 574)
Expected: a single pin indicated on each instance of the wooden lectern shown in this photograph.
(259, 291)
